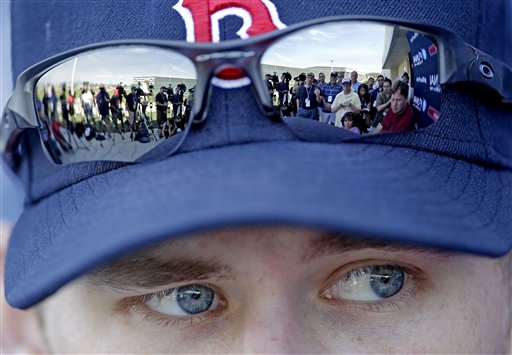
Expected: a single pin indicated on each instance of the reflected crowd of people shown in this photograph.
(71, 117)
(338, 100)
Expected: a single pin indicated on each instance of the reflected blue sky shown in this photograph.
(355, 45)
(120, 64)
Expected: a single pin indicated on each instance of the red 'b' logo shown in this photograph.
(202, 17)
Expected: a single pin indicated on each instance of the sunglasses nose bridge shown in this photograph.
(231, 67)
(226, 65)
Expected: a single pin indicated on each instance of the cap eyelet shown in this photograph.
(486, 70)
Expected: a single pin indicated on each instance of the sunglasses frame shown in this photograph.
(459, 62)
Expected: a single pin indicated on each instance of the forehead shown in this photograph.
(234, 245)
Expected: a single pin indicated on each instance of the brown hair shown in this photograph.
(400, 86)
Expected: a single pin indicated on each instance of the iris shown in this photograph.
(386, 280)
(194, 298)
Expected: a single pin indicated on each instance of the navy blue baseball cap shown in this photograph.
(446, 186)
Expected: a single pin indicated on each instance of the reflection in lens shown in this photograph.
(386, 76)
(115, 103)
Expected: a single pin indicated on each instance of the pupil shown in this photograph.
(194, 299)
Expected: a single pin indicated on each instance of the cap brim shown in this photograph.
(350, 188)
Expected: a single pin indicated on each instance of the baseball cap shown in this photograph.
(334, 73)
(447, 186)
(345, 81)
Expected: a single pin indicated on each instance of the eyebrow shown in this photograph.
(335, 243)
(144, 271)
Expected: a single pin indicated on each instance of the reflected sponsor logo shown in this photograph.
(421, 80)
(419, 58)
(434, 83)
(432, 50)
(433, 113)
(414, 37)
(419, 103)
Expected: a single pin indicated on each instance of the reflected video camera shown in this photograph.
(301, 77)
(181, 88)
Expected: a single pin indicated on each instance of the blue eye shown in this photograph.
(194, 299)
(386, 280)
(184, 300)
(369, 283)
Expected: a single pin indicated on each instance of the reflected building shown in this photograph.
(159, 81)
(295, 71)
(395, 60)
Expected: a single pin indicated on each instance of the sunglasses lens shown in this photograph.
(116, 103)
(357, 51)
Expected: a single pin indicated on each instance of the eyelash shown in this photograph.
(166, 322)
(137, 304)
(395, 303)
(392, 304)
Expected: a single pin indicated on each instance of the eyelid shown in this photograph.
(137, 304)
(416, 281)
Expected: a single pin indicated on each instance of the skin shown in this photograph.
(280, 292)
(348, 123)
(321, 78)
(308, 83)
(398, 102)
(387, 90)
(353, 77)
(380, 81)
(309, 80)
(319, 98)
(362, 91)
(346, 90)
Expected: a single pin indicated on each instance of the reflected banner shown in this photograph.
(425, 79)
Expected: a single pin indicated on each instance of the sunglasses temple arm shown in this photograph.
(11, 130)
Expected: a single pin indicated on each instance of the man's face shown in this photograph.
(398, 102)
(370, 83)
(380, 81)
(309, 79)
(353, 76)
(386, 88)
(346, 88)
(334, 79)
(283, 290)
(321, 77)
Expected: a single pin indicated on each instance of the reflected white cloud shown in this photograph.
(355, 45)
(320, 36)
(110, 66)
(139, 50)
